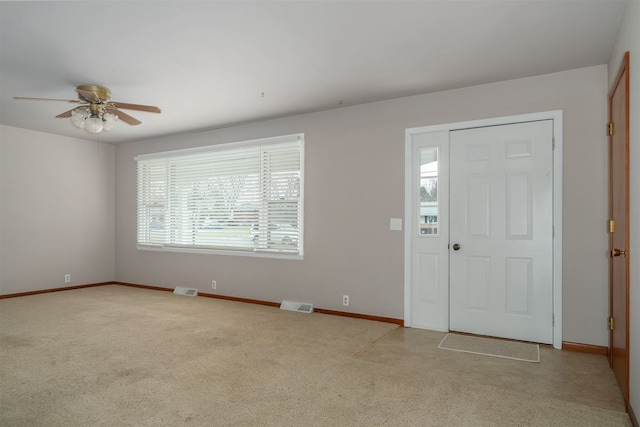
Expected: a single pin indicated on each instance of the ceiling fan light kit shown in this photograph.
(97, 112)
(93, 122)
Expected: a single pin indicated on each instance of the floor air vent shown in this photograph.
(189, 292)
(301, 307)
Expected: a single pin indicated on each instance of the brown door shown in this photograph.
(619, 227)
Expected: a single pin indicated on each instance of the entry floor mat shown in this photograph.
(515, 350)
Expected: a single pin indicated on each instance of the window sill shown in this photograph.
(265, 254)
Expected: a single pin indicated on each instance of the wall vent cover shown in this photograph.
(189, 292)
(301, 307)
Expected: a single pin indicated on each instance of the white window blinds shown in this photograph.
(243, 197)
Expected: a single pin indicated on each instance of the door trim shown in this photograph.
(556, 116)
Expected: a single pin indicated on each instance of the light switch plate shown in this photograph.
(395, 224)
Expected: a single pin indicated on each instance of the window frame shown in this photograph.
(431, 175)
(297, 139)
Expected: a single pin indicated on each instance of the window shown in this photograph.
(428, 216)
(240, 198)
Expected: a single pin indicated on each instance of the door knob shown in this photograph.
(456, 246)
(618, 252)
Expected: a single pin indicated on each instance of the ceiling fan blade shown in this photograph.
(75, 101)
(65, 114)
(140, 107)
(124, 117)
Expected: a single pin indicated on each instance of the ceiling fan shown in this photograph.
(96, 111)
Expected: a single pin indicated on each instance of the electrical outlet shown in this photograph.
(345, 300)
(214, 285)
(67, 278)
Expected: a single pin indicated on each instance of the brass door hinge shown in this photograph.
(610, 129)
(611, 323)
(612, 226)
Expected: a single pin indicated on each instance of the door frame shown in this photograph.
(409, 215)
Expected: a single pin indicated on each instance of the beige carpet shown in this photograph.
(119, 356)
(525, 352)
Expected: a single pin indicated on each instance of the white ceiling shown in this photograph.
(212, 64)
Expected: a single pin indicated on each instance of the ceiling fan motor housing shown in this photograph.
(100, 93)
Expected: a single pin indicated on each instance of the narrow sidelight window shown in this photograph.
(428, 215)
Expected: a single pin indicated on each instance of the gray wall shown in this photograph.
(355, 183)
(56, 211)
(629, 40)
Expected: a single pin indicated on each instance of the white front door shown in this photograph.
(501, 231)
